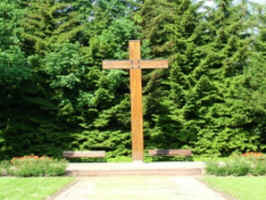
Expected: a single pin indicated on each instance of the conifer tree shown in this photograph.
(174, 30)
(208, 51)
(48, 22)
(253, 81)
(14, 70)
(13, 67)
(55, 95)
(84, 106)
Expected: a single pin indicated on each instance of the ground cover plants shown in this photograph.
(27, 166)
(4, 167)
(241, 176)
(238, 165)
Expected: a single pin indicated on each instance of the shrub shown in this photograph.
(228, 168)
(238, 166)
(259, 169)
(37, 166)
(4, 167)
(258, 163)
(215, 168)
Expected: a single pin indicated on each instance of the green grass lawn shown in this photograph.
(30, 188)
(241, 188)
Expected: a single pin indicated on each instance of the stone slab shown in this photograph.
(138, 168)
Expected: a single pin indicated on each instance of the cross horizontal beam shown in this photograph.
(139, 64)
(114, 64)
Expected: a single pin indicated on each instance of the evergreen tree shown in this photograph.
(208, 51)
(14, 69)
(253, 83)
(174, 30)
(55, 95)
(73, 103)
(93, 101)
(226, 56)
(48, 22)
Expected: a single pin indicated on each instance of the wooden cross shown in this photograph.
(135, 64)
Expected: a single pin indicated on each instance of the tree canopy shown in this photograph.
(55, 96)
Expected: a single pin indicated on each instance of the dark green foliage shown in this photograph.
(254, 81)
(14, 69)
(70, 103)
(56, 97)
(200, 103)
(171, 36)
(13, 66)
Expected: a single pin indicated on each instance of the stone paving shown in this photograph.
(139, 188)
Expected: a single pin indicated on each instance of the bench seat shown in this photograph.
(170, 152)
(84, 154)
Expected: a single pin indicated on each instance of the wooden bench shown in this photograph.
(170, 152)
(84, 154)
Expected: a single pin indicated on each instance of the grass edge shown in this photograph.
(225, 195)
(61, 190)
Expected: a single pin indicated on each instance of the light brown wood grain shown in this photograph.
(153, 64)
(136, 103)
(135, 64)
(84, 154)
(170, 152)
(116, 64)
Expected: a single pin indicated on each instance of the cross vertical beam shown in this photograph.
(136, 101)
(135, 64)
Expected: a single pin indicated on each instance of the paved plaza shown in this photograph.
(139, 188)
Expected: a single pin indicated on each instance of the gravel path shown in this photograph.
(139, 188)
